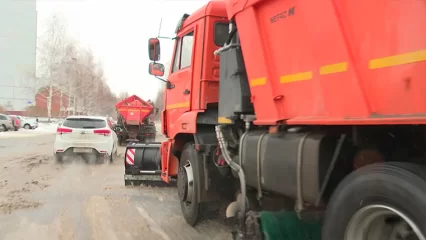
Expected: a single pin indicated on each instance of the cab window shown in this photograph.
(221, 32)
(177, 55)
(183, 55)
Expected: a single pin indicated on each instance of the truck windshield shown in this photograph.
(221, 32)
(84, 123)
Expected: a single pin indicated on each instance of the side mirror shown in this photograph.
(156, 69)
(154, 49)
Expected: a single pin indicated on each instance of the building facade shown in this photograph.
(60, 103)
(18, 39)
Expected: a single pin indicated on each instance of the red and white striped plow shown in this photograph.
(130, 156)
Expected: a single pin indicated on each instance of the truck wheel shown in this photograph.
(380, 202)
(188, 186)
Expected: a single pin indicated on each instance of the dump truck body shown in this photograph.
(135, 120)
(334, 62)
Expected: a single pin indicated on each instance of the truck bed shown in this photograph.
(334, 62)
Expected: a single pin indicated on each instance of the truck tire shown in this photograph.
(191, 208)
(392, 194)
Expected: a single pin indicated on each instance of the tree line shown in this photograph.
(69, 72)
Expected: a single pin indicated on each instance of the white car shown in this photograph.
(87, 136)
(27, 123)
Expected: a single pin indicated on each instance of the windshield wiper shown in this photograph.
(91, 127)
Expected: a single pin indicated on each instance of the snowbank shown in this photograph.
(43, 129)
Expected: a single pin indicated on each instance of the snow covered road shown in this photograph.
(42, 200)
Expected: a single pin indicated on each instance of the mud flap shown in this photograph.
(170, 164)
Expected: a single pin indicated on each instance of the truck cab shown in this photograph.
(192, 87)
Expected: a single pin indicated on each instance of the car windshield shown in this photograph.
(84, 123)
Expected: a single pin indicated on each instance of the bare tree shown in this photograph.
(123, 95)
(72, 73)
(51, 48)
(92, 95)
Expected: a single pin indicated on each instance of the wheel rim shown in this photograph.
(27, 127)
(186, 183)
(380, 222)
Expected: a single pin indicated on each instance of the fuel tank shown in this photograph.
(271, 160)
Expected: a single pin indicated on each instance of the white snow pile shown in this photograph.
(43, 129)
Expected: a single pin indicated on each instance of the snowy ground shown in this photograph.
(43, 129)
(43, 200)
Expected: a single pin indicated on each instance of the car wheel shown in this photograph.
(27, 126)
(380, 202)
(59, 158)
(113, 155)
(2, 128)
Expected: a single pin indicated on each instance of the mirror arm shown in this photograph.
(160, 79)
(170, 38)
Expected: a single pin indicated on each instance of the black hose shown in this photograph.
(230, 36)
(237, 168)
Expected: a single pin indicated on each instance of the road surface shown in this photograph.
(40, 199)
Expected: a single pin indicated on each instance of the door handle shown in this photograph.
(186, 92)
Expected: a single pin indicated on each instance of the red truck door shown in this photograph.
(178, 97)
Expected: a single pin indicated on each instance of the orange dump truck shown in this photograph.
(297, 110)
(135, 120)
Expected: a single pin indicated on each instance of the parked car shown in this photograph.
(15, 122)
(5, 123)
(90, 137)
(27, 123)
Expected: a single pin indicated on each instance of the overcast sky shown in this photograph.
(118, 31)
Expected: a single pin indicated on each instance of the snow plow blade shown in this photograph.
(141, 159)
